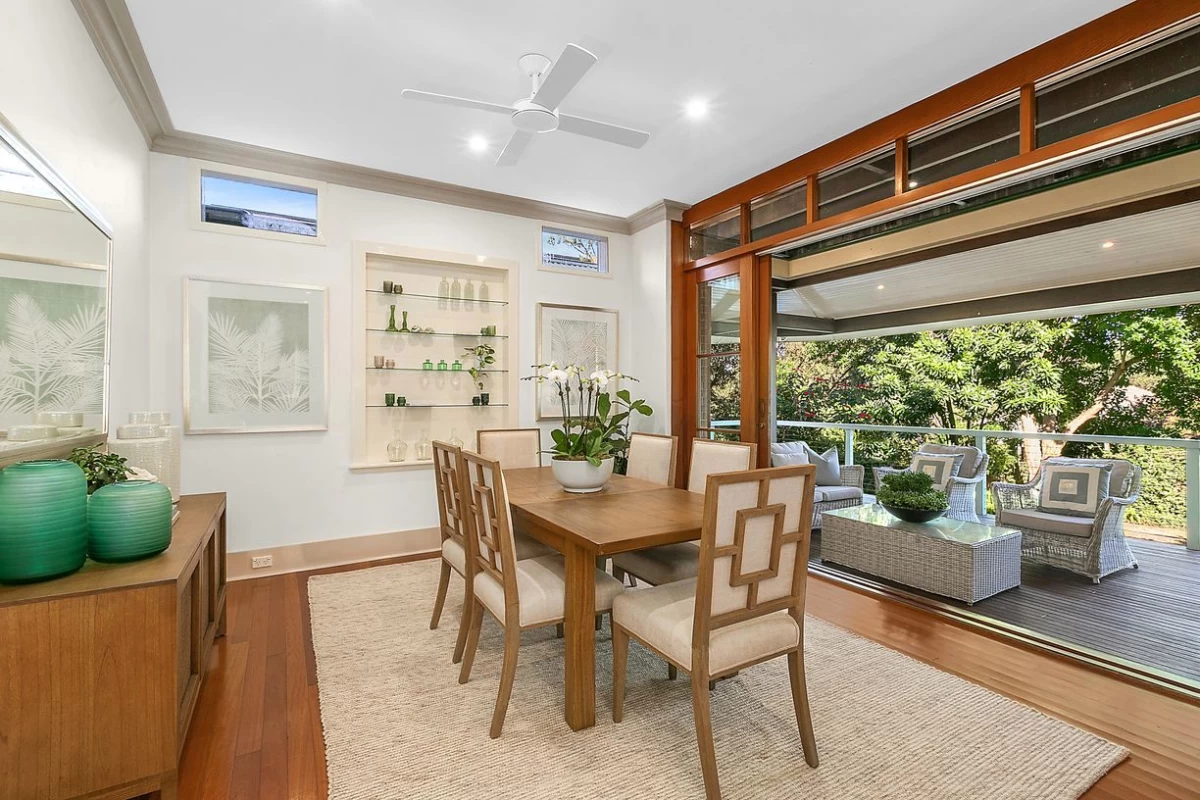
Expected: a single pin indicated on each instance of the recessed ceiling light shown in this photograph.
(477, 143)
(880, 287)
(697, 108)
(1108, 245)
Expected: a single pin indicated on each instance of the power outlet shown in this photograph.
(260, 562)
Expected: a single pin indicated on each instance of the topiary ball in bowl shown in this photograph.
(910, 496)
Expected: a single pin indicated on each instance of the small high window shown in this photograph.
(779, 211)
(977, 139)
(259, 204)
(857, 184)
(573, 251)
(716, 234)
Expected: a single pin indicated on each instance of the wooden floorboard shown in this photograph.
(220, 759)
(1148, 616)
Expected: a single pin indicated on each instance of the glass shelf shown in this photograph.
(436, 297)
(442, 405)
(449, 335)
(436, 371)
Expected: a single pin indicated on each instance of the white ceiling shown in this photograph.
(323, 78)
(1158, 241)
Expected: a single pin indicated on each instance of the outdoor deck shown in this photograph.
(1149, 615)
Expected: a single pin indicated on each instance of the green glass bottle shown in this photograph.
(43, 520)
(129, 520)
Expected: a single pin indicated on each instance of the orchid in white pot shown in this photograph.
(595, 427)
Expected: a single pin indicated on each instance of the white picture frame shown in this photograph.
(256, 357)
(582, 335)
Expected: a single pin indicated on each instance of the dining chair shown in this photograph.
(520, 595)
(448, 467)
(677, 562)
(515, 448)
(746, 605)
(651, 457)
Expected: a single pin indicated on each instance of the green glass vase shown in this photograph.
(129, 520)
(43, 520)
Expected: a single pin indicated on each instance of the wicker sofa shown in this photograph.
(847, 494)
(962, 487)
(1091, 546)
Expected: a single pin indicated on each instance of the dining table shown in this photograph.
(627, 514)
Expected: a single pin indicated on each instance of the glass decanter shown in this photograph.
(454, 441)
(424, 447)
(397, 450)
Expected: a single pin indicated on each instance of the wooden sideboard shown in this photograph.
(100, 670)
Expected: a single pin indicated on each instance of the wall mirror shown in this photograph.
(55, 271)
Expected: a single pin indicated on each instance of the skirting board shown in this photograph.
(334, 552)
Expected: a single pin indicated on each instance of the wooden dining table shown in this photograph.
(627, 514)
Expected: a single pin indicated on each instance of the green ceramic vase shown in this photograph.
(129, 520)
(43, 520)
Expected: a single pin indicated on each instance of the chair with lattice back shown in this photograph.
(448, 467)
(746, 605)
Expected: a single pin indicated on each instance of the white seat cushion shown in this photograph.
(528, 547)
(455, 555)
(659, 565)
(1041, 521)
(829, 494)
(663, 616)
(541, 590)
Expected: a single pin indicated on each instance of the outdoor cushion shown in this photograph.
(1073, 489)
(829, 467)
(1122, 471)
(663, 617)
(939, 467)
(541, 590)
(831, 494)
(455, 556)
(664, 564)
(789, 454)
(1041, 521)
(971, 456)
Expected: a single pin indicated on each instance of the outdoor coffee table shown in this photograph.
(964, 560)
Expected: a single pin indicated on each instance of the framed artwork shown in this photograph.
(574, 335)
(256, 357)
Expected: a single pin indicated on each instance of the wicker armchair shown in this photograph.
(852, 478)
(1094, 547)
(962, 487)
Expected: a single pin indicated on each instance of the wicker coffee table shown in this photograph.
(964, 560)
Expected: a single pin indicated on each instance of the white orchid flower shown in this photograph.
(557, 376)
(599, 378)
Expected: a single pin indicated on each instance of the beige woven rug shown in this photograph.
(398, 724)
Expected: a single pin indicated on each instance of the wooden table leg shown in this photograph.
(580, 637)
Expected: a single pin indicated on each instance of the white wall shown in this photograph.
(296, 487)
(58, 94)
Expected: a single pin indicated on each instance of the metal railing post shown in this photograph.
(849, 446)
(981, 489)
(1192, 457)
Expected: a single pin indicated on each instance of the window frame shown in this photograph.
(544, 227)
(196, 205)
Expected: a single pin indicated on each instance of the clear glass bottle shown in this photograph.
(443, 287)
(484, 294)
(454, 441)
(456, 290)
(397, 450)
(469, 290)
(424, 447)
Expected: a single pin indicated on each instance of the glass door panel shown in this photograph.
(719, 359)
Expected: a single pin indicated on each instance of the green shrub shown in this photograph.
(912, 490)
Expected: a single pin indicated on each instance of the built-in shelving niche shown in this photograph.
(439, 401)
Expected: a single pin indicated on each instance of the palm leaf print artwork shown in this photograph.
(257, 368)
(581, 342)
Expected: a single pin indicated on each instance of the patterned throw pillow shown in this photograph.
(1074, 490)
(789, 454)
(940, 468)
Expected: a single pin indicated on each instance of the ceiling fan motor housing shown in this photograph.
(529, 116)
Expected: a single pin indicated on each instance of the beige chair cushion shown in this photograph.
(1041, 521)
(527, 547)
(712, 458)
(514, 449)
(455, 555)
(830, 494)
(659, 565)
(663, 617)
(541, 591)
(971, 456)
(650, 458)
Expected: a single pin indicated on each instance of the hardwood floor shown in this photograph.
(257, 730)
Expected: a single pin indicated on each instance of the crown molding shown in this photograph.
(111, 27)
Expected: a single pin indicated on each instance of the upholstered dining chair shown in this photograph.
(745, 607)
(651, 457)
(515, 448)
(520, 595)
(677, 562)
(448, 467)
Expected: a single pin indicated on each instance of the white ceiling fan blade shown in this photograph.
(450, 100)
(570, 68)
(515, 147)
(602, 130)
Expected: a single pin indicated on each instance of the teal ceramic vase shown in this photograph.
(43, 520)
(129, 520)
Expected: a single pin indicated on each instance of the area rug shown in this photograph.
(398, 724)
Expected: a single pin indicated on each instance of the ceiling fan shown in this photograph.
(538, 113)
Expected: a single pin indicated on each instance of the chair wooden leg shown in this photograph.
(464, 674)
(620, 640)
(512, 646)
(704, 737)
(619, 574)
(558, 630)
(800, 701)
(464, 626)
(672, 672)
(599, 622)
(443, 585)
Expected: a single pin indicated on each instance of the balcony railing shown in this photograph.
(1190, 448)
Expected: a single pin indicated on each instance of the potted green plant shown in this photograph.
(98, 467)
(910, 496)
(594, 429)
(484, 355)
